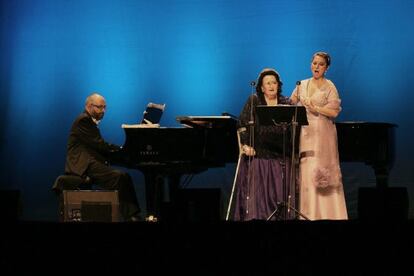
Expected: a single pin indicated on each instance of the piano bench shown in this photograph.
(90, 206)
(78, 201)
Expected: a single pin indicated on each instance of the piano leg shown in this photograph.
(154, 192)
(158, 194)
(381, 175)
(173, 186)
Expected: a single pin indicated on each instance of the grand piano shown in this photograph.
(374, 145)
(165, 154)
(370, 143)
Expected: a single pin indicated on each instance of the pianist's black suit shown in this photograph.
(87, 154)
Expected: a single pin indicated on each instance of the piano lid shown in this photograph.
(362, 124)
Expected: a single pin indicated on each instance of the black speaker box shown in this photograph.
(197, 205)
(91, 205)
(387, 203)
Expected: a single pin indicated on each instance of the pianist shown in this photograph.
(87, 155)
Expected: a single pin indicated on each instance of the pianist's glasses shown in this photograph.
(100, 107)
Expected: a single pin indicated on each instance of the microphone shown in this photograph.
(297, 90)
(253, 83)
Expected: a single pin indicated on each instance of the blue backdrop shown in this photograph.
(198, 57)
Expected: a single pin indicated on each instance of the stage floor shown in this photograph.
(222, 248)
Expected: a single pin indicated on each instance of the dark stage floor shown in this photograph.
(221, 248)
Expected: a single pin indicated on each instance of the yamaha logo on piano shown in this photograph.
(148, 151)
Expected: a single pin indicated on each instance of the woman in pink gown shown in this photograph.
(320, 179)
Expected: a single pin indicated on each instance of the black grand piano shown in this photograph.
(165, 154)
(374, 144)
(370, 143)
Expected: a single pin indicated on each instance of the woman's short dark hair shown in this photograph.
(324, 55)
(266, 72)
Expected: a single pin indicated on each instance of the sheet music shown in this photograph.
(208, 121)
(153, 113)
(141, 126)
(202, 117)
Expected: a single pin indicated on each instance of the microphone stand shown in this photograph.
(284, 205)
(293, 166)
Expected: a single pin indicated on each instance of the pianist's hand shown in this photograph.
(115, 149)
(249, 151)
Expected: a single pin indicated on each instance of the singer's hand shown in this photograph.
(294, 98)
(312, 107)
(309, 105)
(249, 151)
(307, 102)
